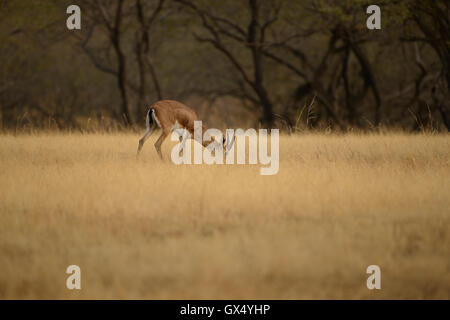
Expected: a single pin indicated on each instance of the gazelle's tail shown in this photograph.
(149, 123)
(149, 119)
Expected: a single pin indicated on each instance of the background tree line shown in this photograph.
(292, 64)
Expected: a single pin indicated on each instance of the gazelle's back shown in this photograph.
(172, 111)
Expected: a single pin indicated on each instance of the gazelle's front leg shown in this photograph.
(183, 135)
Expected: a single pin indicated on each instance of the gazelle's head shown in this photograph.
(226, 143)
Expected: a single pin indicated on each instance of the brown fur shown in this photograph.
(168, 113)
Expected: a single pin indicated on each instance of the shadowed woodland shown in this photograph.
(291, 64)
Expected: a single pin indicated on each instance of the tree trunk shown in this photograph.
(255, 45)
(121, 61)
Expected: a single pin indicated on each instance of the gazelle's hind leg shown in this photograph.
(144, 138)
(147, 133)
(160, 140)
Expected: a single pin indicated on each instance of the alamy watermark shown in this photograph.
(374, 280)
(373, 22)
(224, 153)
(74, 280)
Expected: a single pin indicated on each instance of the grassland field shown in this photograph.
(142, 228)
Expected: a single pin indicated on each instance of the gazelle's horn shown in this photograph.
(229, 144)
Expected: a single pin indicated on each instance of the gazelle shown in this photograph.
(170, 115)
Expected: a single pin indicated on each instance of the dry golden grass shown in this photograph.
(146, 229)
